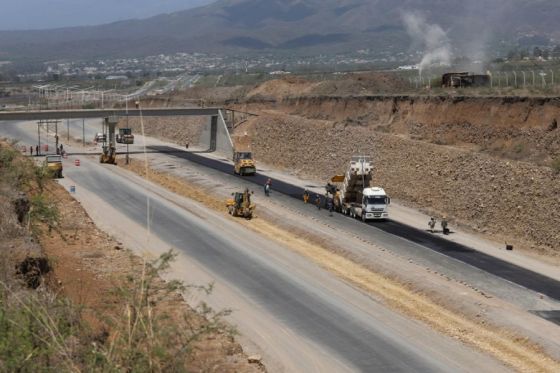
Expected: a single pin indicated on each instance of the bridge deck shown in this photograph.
(101, 113)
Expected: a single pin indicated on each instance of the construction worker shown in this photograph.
(305, 196)
(318, 201)
(432, 224)
(267, 186)
(31, 151)
(444, 225)
(330, 206)
(37, 150)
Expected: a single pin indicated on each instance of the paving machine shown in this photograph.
(240, 204)
(243, 163)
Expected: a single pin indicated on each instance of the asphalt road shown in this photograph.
(344, 326)
(487, 263)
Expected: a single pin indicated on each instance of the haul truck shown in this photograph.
(354, 195)
(125, 136)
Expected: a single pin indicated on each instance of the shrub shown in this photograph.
(555, 165)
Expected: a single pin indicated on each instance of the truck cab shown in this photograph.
(125, 136)
(374, 206)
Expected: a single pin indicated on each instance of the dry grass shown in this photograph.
(92, 306)
(515, 351)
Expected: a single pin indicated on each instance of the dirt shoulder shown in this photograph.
(89, 266)
(506, 345)
(87, 303)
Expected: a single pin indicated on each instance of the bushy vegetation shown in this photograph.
(42, 331)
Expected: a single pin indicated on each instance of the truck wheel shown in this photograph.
(363, 217)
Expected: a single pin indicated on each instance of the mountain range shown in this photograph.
(294, 26)
(45, 14)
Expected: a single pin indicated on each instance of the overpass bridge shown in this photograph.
(216, 135)
(102, 113)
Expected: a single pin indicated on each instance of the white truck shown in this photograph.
(355, 196)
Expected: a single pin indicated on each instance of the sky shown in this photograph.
(45, 14)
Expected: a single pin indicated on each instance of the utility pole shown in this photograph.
(39, 137)
(47, 123)
(127, 126)
(83, 132)
(67, 130)
(56, 135)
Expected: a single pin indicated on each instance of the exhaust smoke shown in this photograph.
(432, 38)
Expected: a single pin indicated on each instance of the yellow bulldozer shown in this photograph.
(240, 204)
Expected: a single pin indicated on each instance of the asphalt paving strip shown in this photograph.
(495, 266)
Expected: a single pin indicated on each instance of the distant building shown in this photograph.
(116, 77)
(456, 80)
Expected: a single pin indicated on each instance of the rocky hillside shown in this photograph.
(508, 199)
(515, 128)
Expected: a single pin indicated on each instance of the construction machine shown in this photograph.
(240, 204)
(243, 163)
(125, 136)
(54, 164)
(109, 153)
(355, 196)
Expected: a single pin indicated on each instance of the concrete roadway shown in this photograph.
(388, 233)
(347, 330)
(301, 317)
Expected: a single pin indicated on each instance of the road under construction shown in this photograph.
(500, 268)
(487, 263)
(357, 344)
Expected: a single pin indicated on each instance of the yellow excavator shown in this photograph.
(240, 204)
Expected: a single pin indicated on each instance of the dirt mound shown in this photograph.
(361, 83)
(340, 85)
(279, 88)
